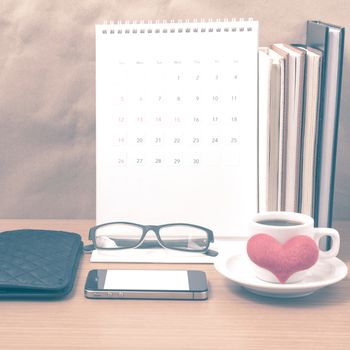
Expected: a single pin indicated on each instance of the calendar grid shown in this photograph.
(176, 106)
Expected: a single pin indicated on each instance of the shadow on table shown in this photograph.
(331, 295)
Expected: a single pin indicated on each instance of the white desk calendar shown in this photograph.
(176, 123)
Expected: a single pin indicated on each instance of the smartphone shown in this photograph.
(146, 284)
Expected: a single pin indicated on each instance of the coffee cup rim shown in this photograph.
(305, 220)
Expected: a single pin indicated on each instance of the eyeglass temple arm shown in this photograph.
(88, 248)
(211, 252)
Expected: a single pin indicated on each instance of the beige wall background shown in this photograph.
(47, 91)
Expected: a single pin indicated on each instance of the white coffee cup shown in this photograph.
(283, 226)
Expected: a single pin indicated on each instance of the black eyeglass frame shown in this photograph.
(155, 229)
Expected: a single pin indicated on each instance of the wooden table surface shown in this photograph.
(232, 318)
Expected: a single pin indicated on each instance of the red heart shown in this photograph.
(297, 254)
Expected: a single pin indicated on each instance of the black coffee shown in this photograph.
(279, 222)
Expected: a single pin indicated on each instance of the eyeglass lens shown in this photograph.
(184, 237)
(181, 237)
(118, 236)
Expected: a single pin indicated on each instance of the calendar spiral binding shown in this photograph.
(179, 26)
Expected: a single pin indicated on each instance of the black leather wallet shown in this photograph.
(38, 263)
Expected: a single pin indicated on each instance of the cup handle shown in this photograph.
(331, 232)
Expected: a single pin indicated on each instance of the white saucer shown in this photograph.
(238, 268)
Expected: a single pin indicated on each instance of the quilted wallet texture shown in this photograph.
(38, 263)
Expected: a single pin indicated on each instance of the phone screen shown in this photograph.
(143, 280)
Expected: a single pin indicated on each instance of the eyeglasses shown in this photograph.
(126, 235)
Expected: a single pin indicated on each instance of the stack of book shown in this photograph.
(299, 98)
